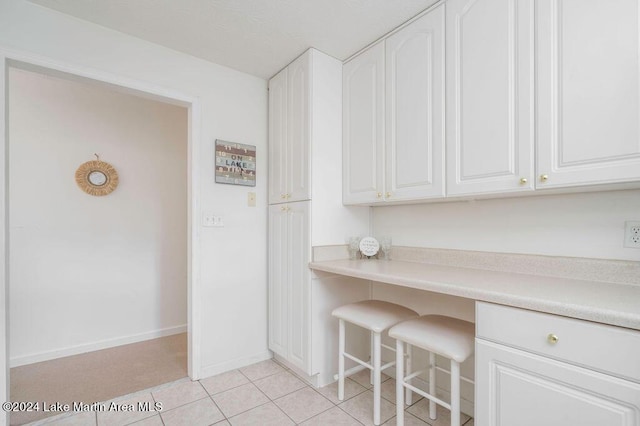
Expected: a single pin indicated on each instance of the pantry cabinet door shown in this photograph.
(278, 280)
(489, 96)
(514, 387)
(415, 109)
(299, 303)
(298, 129)
(588, 92)
(278, 137)
(363, 127)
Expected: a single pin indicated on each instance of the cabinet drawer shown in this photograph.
(610, 349)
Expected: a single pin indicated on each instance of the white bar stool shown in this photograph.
(449, 337)
(375, 316)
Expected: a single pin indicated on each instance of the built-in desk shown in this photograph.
(614, 304)
(524, 359)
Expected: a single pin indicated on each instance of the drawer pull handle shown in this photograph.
(552, 338)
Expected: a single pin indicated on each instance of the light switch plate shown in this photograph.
(251, 199)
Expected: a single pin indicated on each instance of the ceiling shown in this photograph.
(258, 37)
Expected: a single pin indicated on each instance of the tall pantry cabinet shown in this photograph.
(305, 197)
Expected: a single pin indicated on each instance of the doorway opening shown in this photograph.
(98, 286)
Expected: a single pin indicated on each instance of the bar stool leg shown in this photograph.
(399, 382)
(341, 350)
(373, 346)
(455, 393)
(408, 393)
(377, 347)
(432, 385)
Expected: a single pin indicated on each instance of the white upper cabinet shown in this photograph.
(298, 125)
(277, 137)
(363, 127)
(415, 109)
(539, 94)
(588, 72)
(289, 132)
(489, 96)
(393, 129)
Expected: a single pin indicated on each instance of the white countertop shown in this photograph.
(614, 304)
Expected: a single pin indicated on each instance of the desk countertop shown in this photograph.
(614, 304)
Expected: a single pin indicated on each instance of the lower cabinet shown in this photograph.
(537, 369)
(289, 283)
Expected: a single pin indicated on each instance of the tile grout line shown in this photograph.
(159, 413)
(271, 400)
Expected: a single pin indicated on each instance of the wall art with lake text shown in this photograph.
(235, 163)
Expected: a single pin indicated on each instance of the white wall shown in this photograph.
(101, 271)
(587, 225)
(233, 107)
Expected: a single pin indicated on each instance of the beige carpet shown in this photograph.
(100, 375)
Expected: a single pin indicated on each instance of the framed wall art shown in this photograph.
(235, 163)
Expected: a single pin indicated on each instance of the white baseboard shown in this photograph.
(223, 367)
(95, 346)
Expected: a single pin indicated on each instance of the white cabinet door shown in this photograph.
(363, 127)
(289, 132)
(289, 281)
(299, 302)
(298, 125)
(278, 280)
(415, 109)
(518, 388)
(588, 71)
(489, 96)
(278, 137)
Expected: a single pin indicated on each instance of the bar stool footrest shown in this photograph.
(427, 395)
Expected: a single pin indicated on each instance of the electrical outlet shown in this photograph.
(632, 234)
(211, 221)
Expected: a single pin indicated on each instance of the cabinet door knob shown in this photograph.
(283, 208)
(283, 196)
(388, 195)
(552, 338)
(379, 194)
(543, 178)
(287, 196)
(523, 181)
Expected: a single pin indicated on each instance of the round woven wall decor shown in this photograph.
(97, 178)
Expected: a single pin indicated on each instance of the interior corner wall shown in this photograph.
(588, 224)
(230, 262)
(89, 272)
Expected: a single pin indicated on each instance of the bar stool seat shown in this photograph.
(376, 316)
(448, 337)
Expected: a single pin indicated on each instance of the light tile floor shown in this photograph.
(265, 393)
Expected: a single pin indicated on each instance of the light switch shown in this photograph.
(251, 199)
